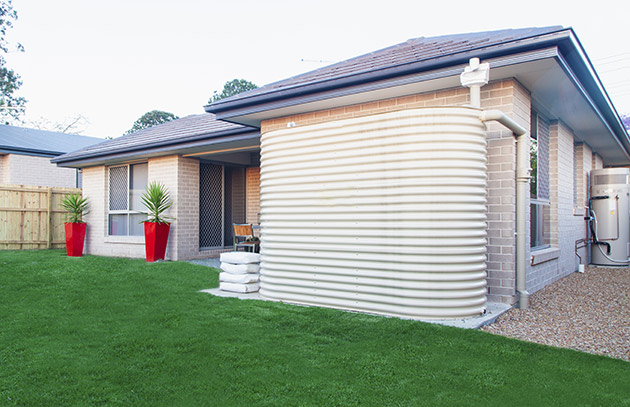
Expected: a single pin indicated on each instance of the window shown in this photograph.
(539, 186)
(126, 211)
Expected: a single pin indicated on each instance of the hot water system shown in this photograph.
(609, 217)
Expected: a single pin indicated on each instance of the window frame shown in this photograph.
(127, 211)
(543, 205)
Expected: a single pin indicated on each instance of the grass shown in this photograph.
(98, 331)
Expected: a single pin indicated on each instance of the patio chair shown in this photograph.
(244, 237)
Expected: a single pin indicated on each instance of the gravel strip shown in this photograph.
(588, 312)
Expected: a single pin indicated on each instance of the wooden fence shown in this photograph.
(31, 218)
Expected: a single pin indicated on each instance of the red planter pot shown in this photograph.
(75, 236)
(155, 239)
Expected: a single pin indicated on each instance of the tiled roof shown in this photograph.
(413, 50)
(21, 139)
(187, 128)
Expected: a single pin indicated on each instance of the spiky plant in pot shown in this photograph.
(157, 201)
(75, 227)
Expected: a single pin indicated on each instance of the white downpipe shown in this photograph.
(522, 190)
(474, 77)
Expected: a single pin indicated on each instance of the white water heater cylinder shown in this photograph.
(610, 193)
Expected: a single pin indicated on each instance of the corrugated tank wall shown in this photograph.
(384, 213)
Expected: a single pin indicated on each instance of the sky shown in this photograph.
(112, 61)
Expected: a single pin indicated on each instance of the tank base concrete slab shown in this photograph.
(493, 310)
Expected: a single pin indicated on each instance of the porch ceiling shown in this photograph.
(240, 156)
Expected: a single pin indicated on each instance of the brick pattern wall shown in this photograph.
(584, 165)
(4, 170)
(566, 222)
(188, 209)
(95, 189)
(252, 189)
(181, 177)
(515, 102)
(166, 171)
(506, 95)
(597, 163)
(498, 95)
(38, 171)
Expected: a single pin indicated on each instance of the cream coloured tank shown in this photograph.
(383, 213)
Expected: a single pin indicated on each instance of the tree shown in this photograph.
(150, 119)
(11, 106)
(231, 88)
(70, 125)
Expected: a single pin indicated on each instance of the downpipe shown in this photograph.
(522, 191)
(474, 77)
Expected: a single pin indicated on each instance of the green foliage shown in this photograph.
(98, 331)
(231, 88)
(157, 200)
(150, 119)
(11, 105)
(76, 206)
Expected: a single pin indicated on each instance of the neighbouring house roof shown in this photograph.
(187, 134)
(397, 56)
(44, 143)
(549, 61)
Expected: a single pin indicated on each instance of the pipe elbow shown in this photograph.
(499, 116)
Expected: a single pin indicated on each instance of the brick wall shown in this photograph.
(38, 171)
(597, 162)
(252, 189)
(181, 177)
(584, 163)
(95, 189)
(4, 162)
(506, 95)
(494, 95)
(187, 213)
(566, 222)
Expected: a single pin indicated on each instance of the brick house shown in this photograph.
(347, 211)
(210, 168)
(25, 156)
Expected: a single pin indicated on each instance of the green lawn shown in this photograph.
(102, 331)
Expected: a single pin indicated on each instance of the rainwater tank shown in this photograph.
(610, 190)
(383, 213)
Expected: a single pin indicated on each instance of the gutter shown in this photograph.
(30, 151)
(123, 151)
(81, 162)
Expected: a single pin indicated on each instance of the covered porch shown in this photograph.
(229, 193)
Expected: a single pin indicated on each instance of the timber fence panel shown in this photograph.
(31, 217)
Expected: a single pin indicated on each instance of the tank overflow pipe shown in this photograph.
(522, 192)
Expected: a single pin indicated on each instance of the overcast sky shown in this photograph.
(112, 61)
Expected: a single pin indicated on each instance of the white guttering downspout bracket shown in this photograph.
(474, 77)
